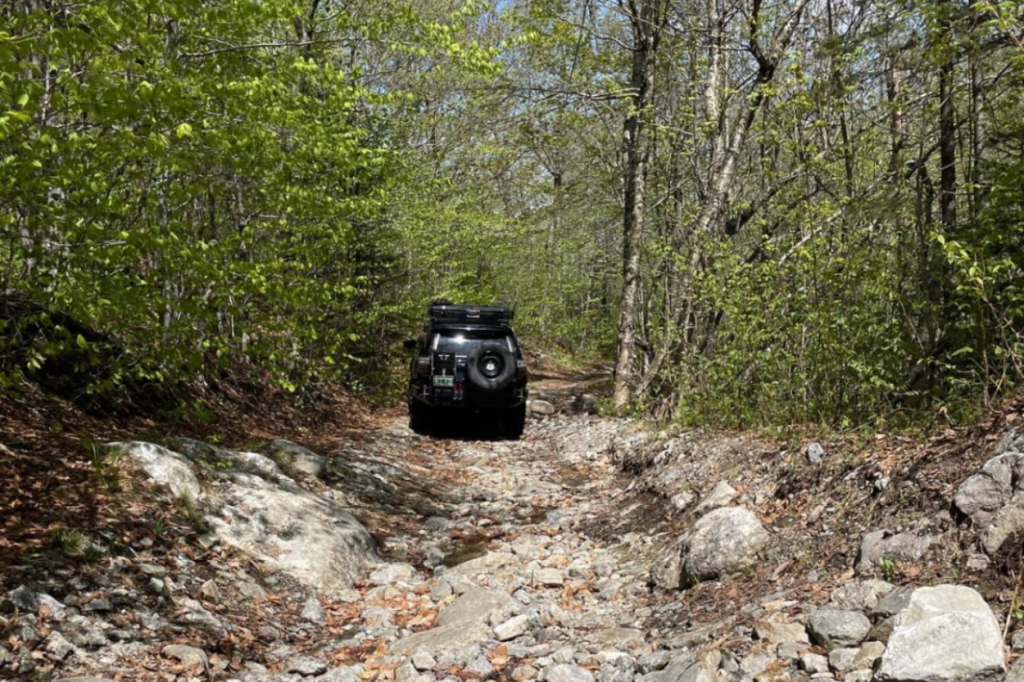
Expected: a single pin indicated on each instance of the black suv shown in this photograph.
(468, 359)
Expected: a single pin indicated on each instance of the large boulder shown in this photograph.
(308, 536)
(250, 504)
(163, 467)
(993, 497)
(721, 542)
(944, 634)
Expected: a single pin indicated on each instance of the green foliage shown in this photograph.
(200, 181)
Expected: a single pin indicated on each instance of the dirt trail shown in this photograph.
(555, 557)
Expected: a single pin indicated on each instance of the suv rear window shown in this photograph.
(459, 341)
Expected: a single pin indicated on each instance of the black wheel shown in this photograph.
(418, 417)
(514, 422)
(491, 366)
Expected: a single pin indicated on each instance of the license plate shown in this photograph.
(444, 381)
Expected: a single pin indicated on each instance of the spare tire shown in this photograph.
(491, 366)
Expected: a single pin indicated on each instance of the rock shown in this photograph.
(617, 638)
(588, 404)
(309, 537)
(901, 548)
(944, 634)
(667, 569)
(392, 573)
(1016, 671)
(993, 497)
(834, 628)
(790, 651)
(189, 656)
(815, 453)
(721, 495)
(307, 666)
(102, 604)
(1017, 640)
(296, 458)
(163, 467)
(721, 542)
(210, 591)
(859, 676)
(682, 501)
(868, 653)
(549, 577)
(57, 646)
(841, 659)
(893, 603)
(779, 633)
(525, 673)
(463, 623)
(860, 595)
(985, 492)
(541, 407)
(52, 607)
(251, 590)
(814, 663)
(422, 660)
(512, 628)
(755, 664)
(568, 673)
(25, 599)
(312, 611)
(192, 612)
(882, 630)
(480, 667)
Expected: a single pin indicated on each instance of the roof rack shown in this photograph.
(493, 314)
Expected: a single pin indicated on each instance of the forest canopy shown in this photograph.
(801, 210)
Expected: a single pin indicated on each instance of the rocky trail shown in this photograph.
(593, 549)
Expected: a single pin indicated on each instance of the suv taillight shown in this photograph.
(520, 369)
(422, 367)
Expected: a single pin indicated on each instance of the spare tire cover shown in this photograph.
(491, 366)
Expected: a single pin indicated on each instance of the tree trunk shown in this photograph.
(647, 19)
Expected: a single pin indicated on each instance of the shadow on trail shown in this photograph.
(467, 427)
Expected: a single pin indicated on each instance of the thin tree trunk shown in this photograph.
(647, 18)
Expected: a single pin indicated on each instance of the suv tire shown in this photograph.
(477, 368)
(514, 421)
(418, 417)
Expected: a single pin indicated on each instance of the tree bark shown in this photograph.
(647, 19)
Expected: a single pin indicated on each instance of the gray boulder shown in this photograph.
(251, 505)
(308, 536)
(993, 497)
(163, 467)
(721, 542)
(834, 628)
(461, 624)
(541, 407)
(901, 548)
(296, 458)
(944, 634)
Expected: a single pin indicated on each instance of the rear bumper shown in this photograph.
(436, 396)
